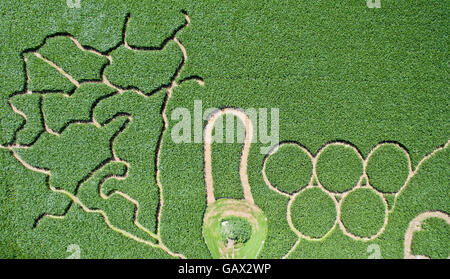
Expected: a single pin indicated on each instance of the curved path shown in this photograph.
(118, 90)
(415, 225)
(244, 156)
(333, 195)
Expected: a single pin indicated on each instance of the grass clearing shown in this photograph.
(228, 210)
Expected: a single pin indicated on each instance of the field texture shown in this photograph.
(92, 164)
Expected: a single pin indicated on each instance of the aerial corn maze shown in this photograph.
(231, 129)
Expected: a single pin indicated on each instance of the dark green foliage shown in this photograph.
(9, 248)
(145, 70)
(225, 165)
(184, 186)
(370, 76)
(90, 233)
(363, 212)
(82, 65)
(388, 168)
(120, 211)
(30, 105)
(9, 121)
(339, 168)
(51, 237)
(289, 169)
(336, 245)
(433, 240)
(390, 200)
(428, 190)
(73, 155)
(60, 110)
(150, 27)
(42, 77)
(364, 181)
(313, 212)
(136, 144)
(235, 228)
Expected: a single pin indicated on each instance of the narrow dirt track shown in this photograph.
(244, 155)
(415, 225)
(119, 90)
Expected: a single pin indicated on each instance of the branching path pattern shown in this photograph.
(115, 89)
(339, 197)
(22, 141)
(222, 208)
